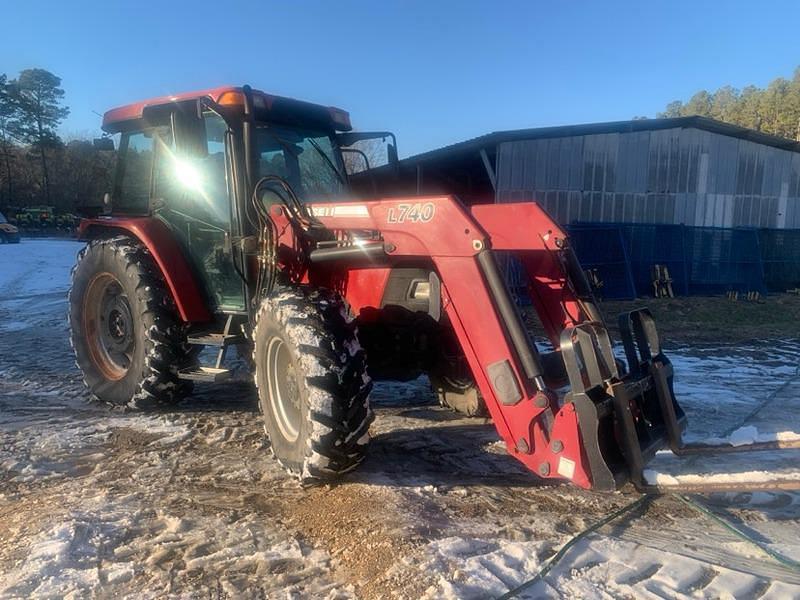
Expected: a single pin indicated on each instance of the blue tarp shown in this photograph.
(701, 260)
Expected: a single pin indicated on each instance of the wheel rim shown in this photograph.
(108, 326)
(284, 389)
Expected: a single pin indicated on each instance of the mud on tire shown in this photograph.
(313, 387)
(135, 361)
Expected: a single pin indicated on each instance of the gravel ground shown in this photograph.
(187, 503)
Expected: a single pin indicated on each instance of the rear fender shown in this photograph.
(166, 251)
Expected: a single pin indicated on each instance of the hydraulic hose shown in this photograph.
(629, 508)
(780, 558)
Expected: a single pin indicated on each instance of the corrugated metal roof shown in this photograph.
(704, 123)
(680, 175)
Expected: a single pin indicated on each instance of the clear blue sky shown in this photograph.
(433, 72)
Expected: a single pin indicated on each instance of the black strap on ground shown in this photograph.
(628, 508)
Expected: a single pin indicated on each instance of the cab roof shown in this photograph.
(128, 116)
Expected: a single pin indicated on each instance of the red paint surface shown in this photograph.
(449, 237)
(133, 111)
(167, 253)
(130, 112)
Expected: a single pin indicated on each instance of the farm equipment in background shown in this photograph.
(231, 224)
(67, 222)
(37, 218)
(45, 220)
(662, 282)
(596, 283)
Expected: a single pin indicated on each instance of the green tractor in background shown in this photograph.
(37, 218)
(67, 222)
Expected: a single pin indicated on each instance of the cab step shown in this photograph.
(205, 374)
(219, 340)
(216, 339)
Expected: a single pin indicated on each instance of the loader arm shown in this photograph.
(610, 423)
(557, 286)
(537, 430)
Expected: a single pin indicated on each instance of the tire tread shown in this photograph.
(335, 377)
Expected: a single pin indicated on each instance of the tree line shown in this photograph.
(774, 109)
(38, 167)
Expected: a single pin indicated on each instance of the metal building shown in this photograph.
(718, 204)
(691, 170)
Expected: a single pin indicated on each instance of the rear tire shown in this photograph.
(128, 340)
(459, 395)
(313, 387)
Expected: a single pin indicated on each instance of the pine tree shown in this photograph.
(7, 110)
(37, 99)
(774, 109)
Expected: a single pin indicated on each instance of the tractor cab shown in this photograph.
(192, 161)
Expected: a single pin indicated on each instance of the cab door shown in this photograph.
(192, 193)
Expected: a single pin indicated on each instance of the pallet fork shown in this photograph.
(639, 409)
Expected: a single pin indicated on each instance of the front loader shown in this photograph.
(231, 223)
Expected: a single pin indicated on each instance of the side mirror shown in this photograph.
(379, 138)
(189, 129)
(103, 144)
(360, 164)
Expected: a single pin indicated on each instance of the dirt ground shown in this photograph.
(716, 319)
(188, 503)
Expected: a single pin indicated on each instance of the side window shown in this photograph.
(213, 166)
(196, 186)
(272, 159)
(309, 161)
(191, 187)
(272, 162)
(132, 193)
(320, 181)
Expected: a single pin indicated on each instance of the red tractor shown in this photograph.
(231, 222)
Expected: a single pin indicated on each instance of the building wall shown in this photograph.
(683, 176)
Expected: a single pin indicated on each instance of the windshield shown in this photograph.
(308, 160)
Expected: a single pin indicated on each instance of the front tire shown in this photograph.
(128, 340)
(313, 387)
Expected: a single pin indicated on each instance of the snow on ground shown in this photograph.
(187, 502)
(749, 434)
